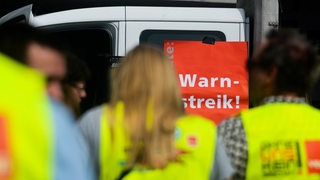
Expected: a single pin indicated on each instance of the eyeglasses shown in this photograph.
(79, 89)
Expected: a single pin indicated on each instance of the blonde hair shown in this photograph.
(146, 83)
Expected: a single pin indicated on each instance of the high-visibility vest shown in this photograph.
(194, 135)
(26, 148)
(112, 144)
(283, 141)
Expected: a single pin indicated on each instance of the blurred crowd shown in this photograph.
(144, 132)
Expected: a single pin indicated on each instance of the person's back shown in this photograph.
(284, 139)
(143, 133)
(279, 138)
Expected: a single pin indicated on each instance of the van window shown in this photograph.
(157, 37)
(94, 46)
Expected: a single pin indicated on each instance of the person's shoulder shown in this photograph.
(91, 118)
(60, 111)
(92, 113)
(193, 120)
(230, 122)
(71, 153)
(231, 129)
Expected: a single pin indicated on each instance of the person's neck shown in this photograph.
(289, 94)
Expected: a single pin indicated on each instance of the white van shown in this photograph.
(98, 34)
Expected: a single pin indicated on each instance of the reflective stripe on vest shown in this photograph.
(26, 149)
(283, 141)
(194, 135)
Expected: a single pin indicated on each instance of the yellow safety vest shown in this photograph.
(112, 155)
(26, 150)
(194, 135)
(283, 141)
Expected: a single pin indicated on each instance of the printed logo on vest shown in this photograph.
(192, 140)
(4, 150)
(280, 158)
(313, 156)
(4, 166)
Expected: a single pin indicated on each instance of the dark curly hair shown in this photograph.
(294, 58)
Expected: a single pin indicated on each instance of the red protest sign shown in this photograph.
(213, 78)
